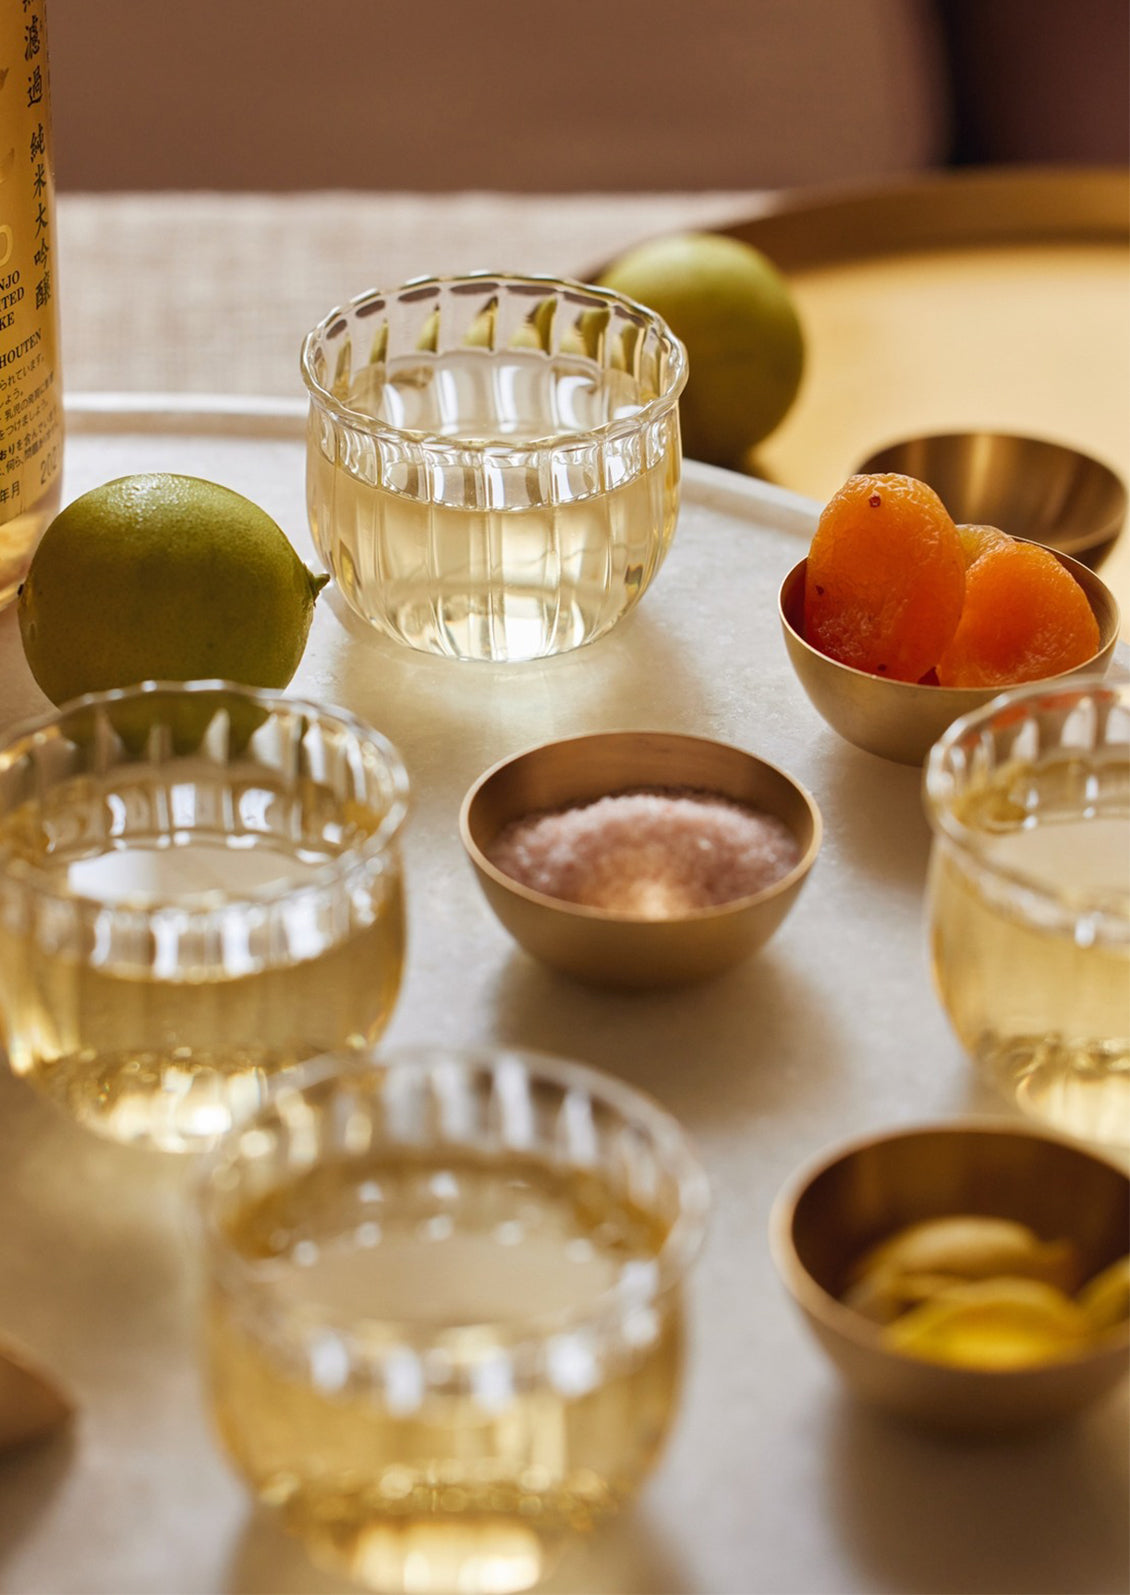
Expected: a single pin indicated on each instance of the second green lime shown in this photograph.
(745, 348)
(164, 577)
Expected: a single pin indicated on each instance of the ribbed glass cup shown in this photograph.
(493, 461)
(1029, 899)
(200, 886)
(445, 1308)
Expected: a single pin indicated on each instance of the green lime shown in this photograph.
(745, 347)
(162, 577)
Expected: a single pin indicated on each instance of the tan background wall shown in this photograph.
(493, 94)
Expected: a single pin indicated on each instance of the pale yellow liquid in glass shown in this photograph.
(470, 1485)
(1045, 1011)
(551, 562)
(159, 1049)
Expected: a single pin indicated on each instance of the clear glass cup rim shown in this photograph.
(622, 426)
(938, 784)
(373, 846)
(675, 1257)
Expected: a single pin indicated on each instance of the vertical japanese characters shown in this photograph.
(31, 411)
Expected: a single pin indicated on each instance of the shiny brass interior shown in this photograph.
(853, 1197)
(902, 720)
(1032, 488)
(615, 949)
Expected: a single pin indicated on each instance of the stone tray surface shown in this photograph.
(775, 1481)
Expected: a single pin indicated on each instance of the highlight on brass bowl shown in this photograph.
(610, 947)
(901, 720)
(853, 1197)
(1031, 488)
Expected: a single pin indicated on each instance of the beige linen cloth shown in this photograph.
(213, 293)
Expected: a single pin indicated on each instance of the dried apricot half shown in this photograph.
(1025, 617)
(977, 540)
(885, 578)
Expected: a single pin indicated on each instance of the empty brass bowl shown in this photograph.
(1032, 488)
(853, 1197)
(902, 720)
(612, 949)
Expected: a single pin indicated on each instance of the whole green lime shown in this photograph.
(164, 577)
(734, 311)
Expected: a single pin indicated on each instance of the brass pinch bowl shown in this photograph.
(837, 1208)
(1029, 487)
(901, 720)
(614, 949)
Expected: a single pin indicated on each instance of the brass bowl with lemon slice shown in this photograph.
(873, 1192)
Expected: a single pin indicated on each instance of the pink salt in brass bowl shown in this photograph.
(610, 946)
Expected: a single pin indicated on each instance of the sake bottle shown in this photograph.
(31, 401)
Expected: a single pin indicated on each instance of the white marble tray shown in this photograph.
(775, 1481)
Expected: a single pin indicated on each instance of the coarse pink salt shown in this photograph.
(651, 853)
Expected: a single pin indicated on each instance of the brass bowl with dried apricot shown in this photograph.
(971, 1276)
(899, 621)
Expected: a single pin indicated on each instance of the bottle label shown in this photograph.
(31, 455)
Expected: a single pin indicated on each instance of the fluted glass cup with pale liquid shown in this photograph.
(200, 887)
(1029, 899)
(493, 462)
(445, 1308)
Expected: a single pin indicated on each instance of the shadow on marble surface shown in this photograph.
(1046, 1510)
(710, 1051)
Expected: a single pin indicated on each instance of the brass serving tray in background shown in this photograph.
(977, 208)
(993, 299)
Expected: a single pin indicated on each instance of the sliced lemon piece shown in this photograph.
(973, 1246)
(883, 1293)
(1106, 1298)
(993, 1324)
